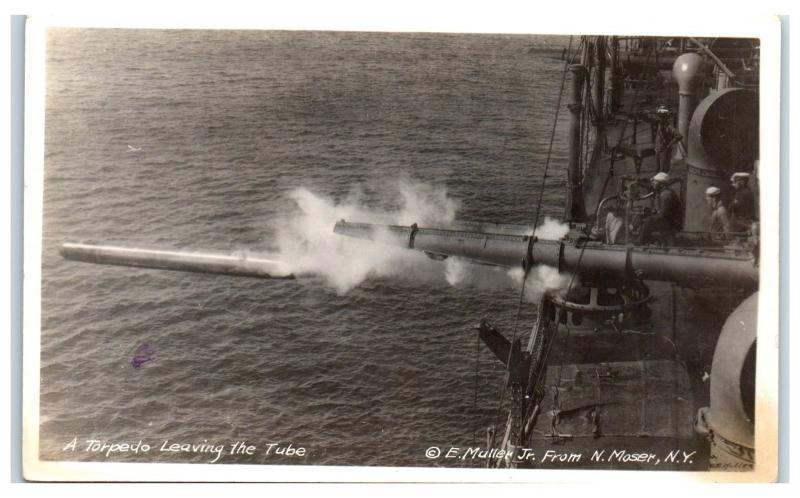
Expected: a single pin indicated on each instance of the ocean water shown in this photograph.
(200, 140)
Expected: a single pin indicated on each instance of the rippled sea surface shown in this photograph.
(194, 139)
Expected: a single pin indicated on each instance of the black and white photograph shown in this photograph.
(304, 253)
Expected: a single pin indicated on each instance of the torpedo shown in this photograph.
(236, 263)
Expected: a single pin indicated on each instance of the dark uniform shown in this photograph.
(743, 209)
(666, 221)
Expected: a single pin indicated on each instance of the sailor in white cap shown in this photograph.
(743, 206)
(660, 177)
(668, 217)
(720, 221)
(741, 176)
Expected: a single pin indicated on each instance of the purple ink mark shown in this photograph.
(143, 354)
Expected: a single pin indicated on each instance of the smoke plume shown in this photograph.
(551, 229)
(308, 246)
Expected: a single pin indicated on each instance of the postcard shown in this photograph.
(401, 255)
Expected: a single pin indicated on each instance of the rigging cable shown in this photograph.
(535, 221)
(549, 348)
(477, 365)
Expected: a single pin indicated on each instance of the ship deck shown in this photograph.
(635, 391)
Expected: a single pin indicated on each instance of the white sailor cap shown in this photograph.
(743, 176)
(712, 191)
(661, 177)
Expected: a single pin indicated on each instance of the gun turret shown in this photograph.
(684, 266)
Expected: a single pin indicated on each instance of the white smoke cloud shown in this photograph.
(542, 279)
(425, 205)
(308, 246)
(551, 229)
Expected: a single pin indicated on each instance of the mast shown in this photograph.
(575, 210)
(599, 80)
(612, 84)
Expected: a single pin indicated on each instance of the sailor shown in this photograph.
(743, 206)
(720, 221)
(667, 218)
(752, 242)
(614, 230)
(665, 137)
